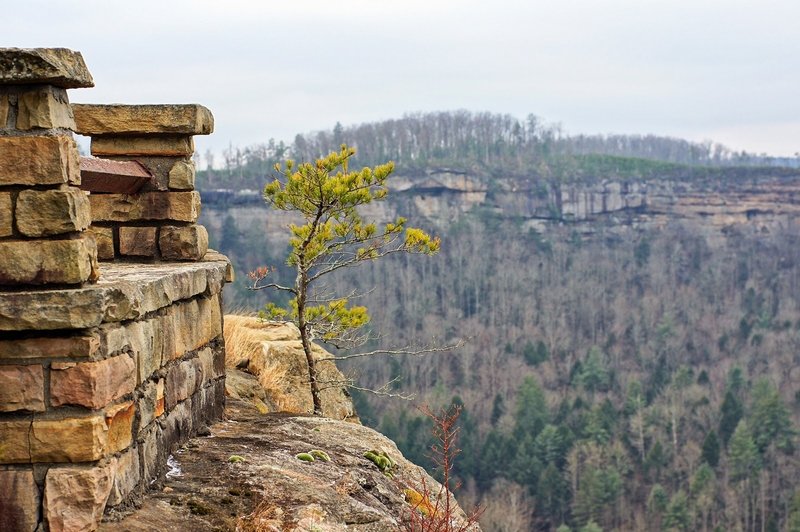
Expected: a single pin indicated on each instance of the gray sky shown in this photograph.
(724, 70)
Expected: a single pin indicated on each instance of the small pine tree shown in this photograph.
(333, 235)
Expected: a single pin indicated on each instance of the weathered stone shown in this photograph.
(4, 108)
(212, 255)
(157, 145)
(195, 323)
(178, 424)
(52, 212)
(39, 161)
(188, 119)
(6, 214)
(126, 477)
(151, 404)
(39, 262)
(273, 352)
(177, 206)
(182, 381)
(75, 497)
(50, 66)
(19, 501)
(213, 363)
(145, 340)
(82, 439)
(22, 388)
(119, 419)
(69, 347)
(46, 108)
(65, 309)
(152, 453)
(138, 241)
(208, 404)
(15, 447)
(183, 243)
(104, 236)
(92, 384)
(181, 176)
(125, 292)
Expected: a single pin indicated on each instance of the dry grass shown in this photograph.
(244, 345)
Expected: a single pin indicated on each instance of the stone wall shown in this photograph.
(159, 221)
(104, 369)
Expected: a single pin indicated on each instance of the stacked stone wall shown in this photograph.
(89, 413)
(160, 220)
(43, 215)
(104, 370)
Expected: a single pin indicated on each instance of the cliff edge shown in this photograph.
(244, 473)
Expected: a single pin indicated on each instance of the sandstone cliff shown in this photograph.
(760, 200)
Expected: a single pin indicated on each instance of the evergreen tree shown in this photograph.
(498, 409)
(327, 195)
(531, 413)
(677, 516)
(769, 418)
(730, 414)
(743, 456)
(711, 449)
(552, 494)
(594, 372)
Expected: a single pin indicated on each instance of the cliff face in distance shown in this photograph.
(759, 202)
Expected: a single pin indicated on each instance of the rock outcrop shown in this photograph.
(246, 476)
(272, 353)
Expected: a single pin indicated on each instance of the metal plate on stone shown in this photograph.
(113, 177)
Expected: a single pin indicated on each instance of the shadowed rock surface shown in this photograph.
(212, 490)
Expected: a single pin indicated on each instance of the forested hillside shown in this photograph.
(635, 370)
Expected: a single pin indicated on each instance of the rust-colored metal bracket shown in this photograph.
(113, 177)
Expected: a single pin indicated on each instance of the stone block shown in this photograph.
(188, 119)
(183, 243)
(6, 215)
(212, 362)
(104, 236)
(22, 388)
(195, 323)
(52, 212)
(151, 404)
(126, 475)
(75, 497)
(182, 381)
(119, 419)
(68, 347)
(181, 176)
(82, 439)
(19, 501)
(45, 108)
(39, 161)
(65, 309)
(126, 292)
(178, 425)
(172, 146)
(176, 206)
(208, 404)
(138, 241)
(4, 108)
(92, 384)
(146, 341)
(49, 66)
(37, 262)
(152, 453)
(15, 446)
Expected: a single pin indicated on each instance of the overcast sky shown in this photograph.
(724, 70)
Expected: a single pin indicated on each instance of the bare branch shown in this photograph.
(413, 352)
